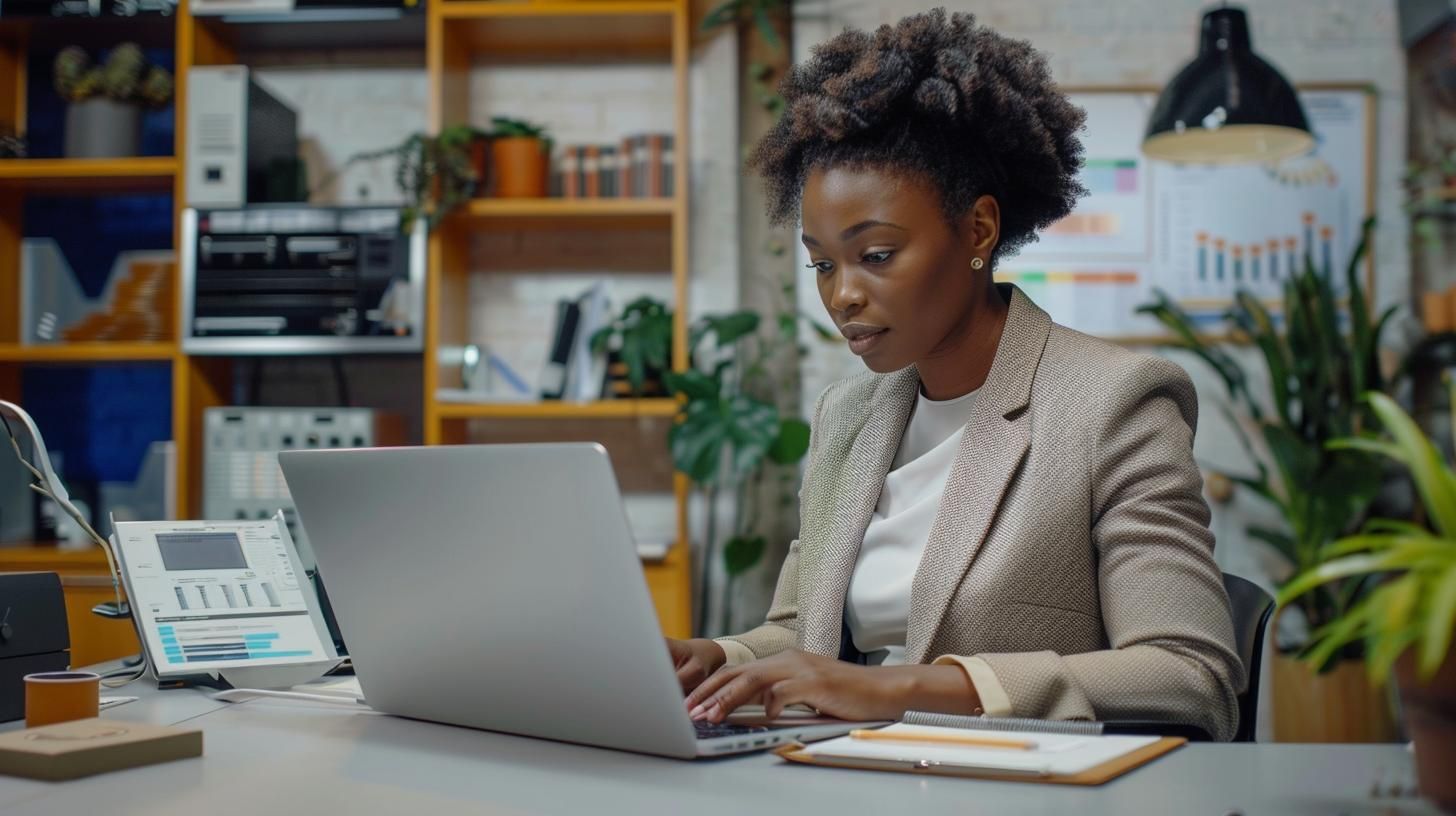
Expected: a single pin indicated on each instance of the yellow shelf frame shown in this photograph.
(601, 409)
(141, 172)
(87, 352)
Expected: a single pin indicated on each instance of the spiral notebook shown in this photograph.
(1055, 752)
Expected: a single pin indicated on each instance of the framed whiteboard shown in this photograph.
(1199, 233)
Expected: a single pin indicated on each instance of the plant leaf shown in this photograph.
(1440, 620)
(765, 26)
(1330, 571)
(1377, 542)
(1276, 355)
(730, 327)
(742, 553)
(1433, 478)
(693, 384)
(791, 443)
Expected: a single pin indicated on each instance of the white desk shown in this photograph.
(286, 757)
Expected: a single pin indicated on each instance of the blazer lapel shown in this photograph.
(828, 555)
(992, 448)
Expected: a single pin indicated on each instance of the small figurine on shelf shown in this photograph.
(103, 119)
(12, 145)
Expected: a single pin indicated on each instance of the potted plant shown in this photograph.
(520, 154)
(103, 119)
(1316, 375)
(1405, 620)
(641, 339)
(435, 174)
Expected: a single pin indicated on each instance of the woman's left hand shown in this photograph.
(834, 687)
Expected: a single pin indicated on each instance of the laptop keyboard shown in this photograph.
(707, 730)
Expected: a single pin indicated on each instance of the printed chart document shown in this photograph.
(213, 596)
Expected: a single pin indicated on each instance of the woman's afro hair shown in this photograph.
(970, 110)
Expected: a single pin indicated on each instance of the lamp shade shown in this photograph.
(1227, 105)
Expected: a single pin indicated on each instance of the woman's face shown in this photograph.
(894, 276)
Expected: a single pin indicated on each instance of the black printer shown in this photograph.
(33, 634)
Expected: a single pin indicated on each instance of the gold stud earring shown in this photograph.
(977, 263)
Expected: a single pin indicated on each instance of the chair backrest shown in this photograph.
(1251, 608)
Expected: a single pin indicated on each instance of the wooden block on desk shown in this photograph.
(85, 747)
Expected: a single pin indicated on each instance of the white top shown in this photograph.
(877, 607)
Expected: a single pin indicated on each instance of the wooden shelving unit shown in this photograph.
(139, 174)
(84, 573)
(556, 213)
(457, 36)
(87, 353)
(460, 35)
(604, 409)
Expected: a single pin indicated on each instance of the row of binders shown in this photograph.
(640, 167)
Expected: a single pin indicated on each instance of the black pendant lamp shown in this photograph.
(1228, 105)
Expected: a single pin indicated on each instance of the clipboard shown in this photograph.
(1095, 775)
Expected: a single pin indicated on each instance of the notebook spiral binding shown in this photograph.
(1081, 728)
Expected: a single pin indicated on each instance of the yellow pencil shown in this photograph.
(943, 739)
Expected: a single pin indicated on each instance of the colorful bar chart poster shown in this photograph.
(1199, 233)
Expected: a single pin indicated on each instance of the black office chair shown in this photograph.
(1252, 608)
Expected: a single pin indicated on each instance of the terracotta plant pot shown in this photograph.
(1337, 706)
(1430, 719)
(518, 167)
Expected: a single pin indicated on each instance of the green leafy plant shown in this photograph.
(125, 76)
(761, 14)
(724, 436)
(642, 338)
(435, 173)
(504, 127)
(1413, 602)
(1316, 375)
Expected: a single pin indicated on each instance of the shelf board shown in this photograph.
(601, 409)
(573, 213)
(62, 175)
(602, 28)
(321, 29)
(87, 352)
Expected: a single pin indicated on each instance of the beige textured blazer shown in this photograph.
(1070, 566)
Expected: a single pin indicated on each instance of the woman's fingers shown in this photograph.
(742, 688)
(710, 685)
(782, 694)
(689, 674)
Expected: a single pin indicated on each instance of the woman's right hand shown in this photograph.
(695, 660)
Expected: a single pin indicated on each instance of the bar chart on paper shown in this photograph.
(222, 640)
(220, 595)
(1199, 233)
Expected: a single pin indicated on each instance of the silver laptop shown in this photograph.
(498, 587)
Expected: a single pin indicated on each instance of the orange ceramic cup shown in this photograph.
(55, 697)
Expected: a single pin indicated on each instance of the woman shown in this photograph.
(1004, 516)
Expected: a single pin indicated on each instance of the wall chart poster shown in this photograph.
(1199, 233)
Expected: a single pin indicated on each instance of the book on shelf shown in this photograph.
(574, 371)
(640, 166)
(558, 359)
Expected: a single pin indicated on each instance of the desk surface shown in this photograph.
(277, 756)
